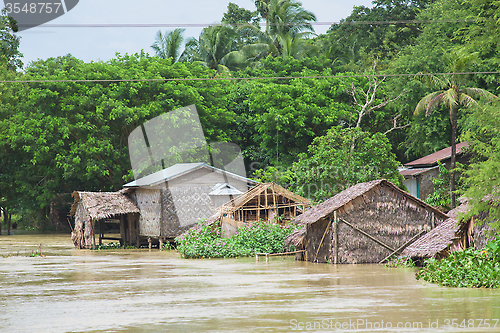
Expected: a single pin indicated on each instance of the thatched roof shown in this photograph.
(341, 199)
(244, 198)
(461, 209)
(101, 205)
(435, 241)
(295, 238)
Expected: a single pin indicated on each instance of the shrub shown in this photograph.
(254, 237)
(469, 268)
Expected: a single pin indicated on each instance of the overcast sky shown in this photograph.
(102, 43)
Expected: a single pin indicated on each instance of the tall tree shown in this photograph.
(288, 25)
(452, 93)
(168, 45)
(10, 56)
(217, 48)
(361, 31)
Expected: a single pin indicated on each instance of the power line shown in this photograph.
(262, 24)
(243, 78)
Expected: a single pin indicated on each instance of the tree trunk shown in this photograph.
(453, 121)
(1, 210)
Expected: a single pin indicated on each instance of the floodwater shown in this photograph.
(71, 290)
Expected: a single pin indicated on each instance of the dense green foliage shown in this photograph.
(342, 158)
(483, 177)
(10, 57)
(56, 137)
(258, 237)
(441, 195)
(469, 268)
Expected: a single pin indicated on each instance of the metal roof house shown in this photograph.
(171, 200)
(418, 174)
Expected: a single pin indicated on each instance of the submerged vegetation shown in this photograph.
(114, 246)
(255, 237)
(469, 268)
(400, 262)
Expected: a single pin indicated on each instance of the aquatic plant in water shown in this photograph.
(254, 237)
(469, 268)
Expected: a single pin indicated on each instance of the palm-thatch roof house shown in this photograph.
(366, 223)
(166, 203)
(90, 208)
(265, 201)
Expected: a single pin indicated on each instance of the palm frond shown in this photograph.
(450, 97)
(466, 100)
(424, 102)
(481, 93)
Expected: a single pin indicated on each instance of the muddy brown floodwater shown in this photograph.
(72, 290)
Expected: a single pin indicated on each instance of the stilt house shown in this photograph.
(163, 204)
(91, 208)
(367, 223)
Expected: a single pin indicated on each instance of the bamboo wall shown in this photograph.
(385, 214)
(148, 202)
(83, 234)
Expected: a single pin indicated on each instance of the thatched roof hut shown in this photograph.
(441, 241)
(363, 224)
(90, 207)
(263, 202)
(449, 237)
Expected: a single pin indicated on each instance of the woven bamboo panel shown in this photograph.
(149, 204)
(192, 203)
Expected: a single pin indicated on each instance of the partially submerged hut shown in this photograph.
(91, 208)
(176, 198)
(265, 202)
(366, 223)
(440, 242)
(158, 207)
(449, 237)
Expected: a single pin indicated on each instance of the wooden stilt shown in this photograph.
(122, 230)
(258, 208)
(335, 239)
(161, 243)
(150, 242)
(93, 235)
(101, 233)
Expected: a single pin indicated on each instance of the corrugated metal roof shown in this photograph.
(441, 155)
(178, 170)
(415, 172)
(224, 189)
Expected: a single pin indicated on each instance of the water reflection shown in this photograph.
(142, 291)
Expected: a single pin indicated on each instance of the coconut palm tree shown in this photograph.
(216, 48)
(168, 45)
(452, 94)
(288, 25)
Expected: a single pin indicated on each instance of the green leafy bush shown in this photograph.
(254, 237)
(469, 268)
